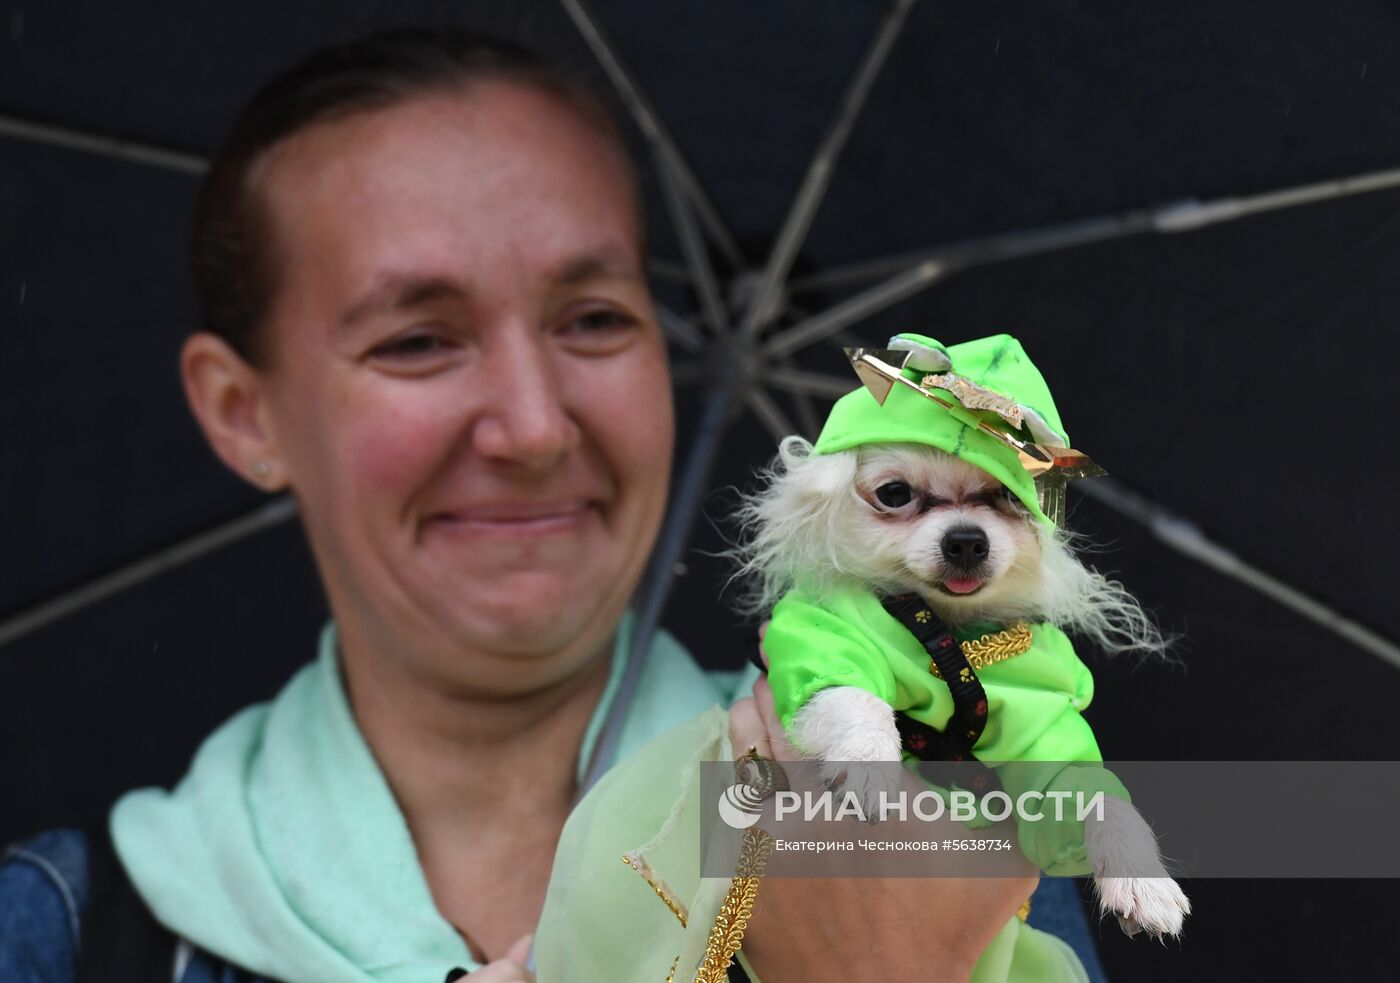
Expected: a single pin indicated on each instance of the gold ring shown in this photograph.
(762, 773)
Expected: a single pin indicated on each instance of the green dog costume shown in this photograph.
(654, 917)
(1034, 699)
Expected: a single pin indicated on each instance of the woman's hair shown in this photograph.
(230, 248)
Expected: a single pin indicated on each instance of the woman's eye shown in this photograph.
(597, 331)
(894, 494)
(600, 321)
(409, 346)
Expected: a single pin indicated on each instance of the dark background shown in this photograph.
(1239, 375)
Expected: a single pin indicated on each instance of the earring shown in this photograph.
(261, 470)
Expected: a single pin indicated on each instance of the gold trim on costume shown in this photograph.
(881, 369)
(662, 889)
(975, 397)
(727, 934)
(993, 647)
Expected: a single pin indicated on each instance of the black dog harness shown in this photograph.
(969, 719)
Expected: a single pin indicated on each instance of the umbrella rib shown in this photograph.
(1183, 216)
(272, 513)
(806, 412)
(800, 381)
(990, 249)
(853, 309)
(103, 145)
(647, 119)
(678, 329)
(820, 169)
(1184, 536)
(1173, 218)
(697, 260)
(774, 420)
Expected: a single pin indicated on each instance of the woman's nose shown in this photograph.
(525, 419)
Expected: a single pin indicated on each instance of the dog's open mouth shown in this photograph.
(961, 586)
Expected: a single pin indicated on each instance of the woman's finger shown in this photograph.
(510, 968)
(520, 952)
(762, 634)
(772, 726)
(501, 971)
(746, 729)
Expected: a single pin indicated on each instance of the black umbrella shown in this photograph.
(1180, 209)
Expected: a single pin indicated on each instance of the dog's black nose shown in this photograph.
(964, 547)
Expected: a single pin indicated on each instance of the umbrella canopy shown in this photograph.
(1155, 199)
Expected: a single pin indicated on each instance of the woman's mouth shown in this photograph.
(517, 520)
(961, 586)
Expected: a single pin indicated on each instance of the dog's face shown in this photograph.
(944, 528)
(907, 517)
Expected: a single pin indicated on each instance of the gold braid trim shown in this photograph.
(662, 889)
(993, 647)
(727, 935)
(672, 974)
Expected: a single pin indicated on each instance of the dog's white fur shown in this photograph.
(818, 524)
(1123, 841)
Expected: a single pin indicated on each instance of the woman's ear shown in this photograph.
(227, 398)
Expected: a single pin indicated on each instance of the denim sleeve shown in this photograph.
(43, 888)
(1056, 908)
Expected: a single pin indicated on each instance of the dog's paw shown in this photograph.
(871, 782)
(1122, 844)
(1155, 905)
(853, 734)
(845, 723)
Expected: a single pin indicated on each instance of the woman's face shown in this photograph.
(466, 381)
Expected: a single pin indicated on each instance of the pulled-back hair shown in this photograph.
(230, 248)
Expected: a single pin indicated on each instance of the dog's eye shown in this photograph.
(894, 494)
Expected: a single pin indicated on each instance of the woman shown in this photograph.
(420, 263)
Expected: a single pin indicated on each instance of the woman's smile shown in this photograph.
(518, 520)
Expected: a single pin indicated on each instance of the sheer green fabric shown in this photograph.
(605, 920)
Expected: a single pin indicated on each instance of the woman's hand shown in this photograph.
(847, 928)
(510, 968)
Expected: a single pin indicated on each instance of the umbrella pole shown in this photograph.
(660, 575)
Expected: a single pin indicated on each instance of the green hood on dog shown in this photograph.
(999, 367)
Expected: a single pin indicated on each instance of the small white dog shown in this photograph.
(894, 519)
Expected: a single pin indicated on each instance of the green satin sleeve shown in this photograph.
(811, 648)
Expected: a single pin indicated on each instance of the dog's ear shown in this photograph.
(812, 476)
(788, 524)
